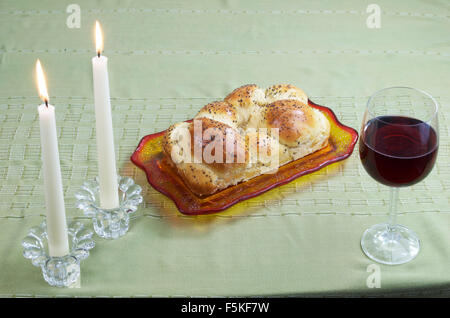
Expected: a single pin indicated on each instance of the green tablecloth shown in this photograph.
(166, 60)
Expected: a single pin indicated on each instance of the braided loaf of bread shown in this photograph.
(278, 121)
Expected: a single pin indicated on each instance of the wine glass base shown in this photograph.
(390, 244)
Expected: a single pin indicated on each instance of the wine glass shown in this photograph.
(398, 148)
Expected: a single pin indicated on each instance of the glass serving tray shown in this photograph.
(149, 157)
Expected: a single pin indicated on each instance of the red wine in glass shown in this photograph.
(398, 148)
(398, 151)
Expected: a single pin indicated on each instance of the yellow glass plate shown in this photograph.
(149, 157)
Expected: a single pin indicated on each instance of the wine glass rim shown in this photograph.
(436, 105)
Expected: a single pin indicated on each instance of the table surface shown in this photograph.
(166, 60)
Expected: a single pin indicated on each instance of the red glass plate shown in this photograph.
(149, 157)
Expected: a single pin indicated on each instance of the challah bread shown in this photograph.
(249, 133)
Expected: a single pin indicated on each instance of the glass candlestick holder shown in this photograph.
(109, 223)
(61, 271)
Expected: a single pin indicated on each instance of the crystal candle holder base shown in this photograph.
(109, 223)
(61, 271)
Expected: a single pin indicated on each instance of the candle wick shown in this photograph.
(98, 53)
(46, 103)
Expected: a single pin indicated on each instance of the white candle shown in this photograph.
(58, 243)
(109, 196)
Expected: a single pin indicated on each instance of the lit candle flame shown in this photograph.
(98, 38)
(42, 85)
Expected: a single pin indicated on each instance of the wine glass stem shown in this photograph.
(393, 207)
